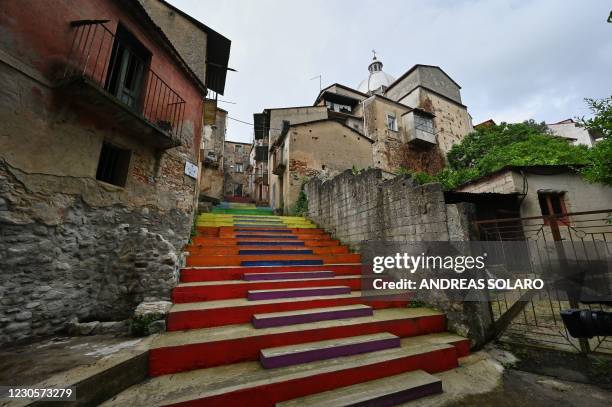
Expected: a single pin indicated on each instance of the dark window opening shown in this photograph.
(128, 66)
(113, 165)
(552, 203)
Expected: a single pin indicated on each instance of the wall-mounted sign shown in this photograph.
(191, 170)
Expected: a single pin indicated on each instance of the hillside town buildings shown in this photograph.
(386, 123)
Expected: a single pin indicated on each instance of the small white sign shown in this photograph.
(191, 170)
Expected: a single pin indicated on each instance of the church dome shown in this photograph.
(376, 79)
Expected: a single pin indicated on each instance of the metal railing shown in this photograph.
(534, 318)
(93, 55)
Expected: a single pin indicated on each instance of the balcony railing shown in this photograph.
(107, 61)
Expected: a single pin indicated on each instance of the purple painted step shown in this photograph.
(310, 315)
(287, 275)
(385, 392)
(254, 295)
(310, 352)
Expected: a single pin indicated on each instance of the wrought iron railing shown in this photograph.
(94, 56)
(534, 318)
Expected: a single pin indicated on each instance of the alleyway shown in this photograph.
(269, 310)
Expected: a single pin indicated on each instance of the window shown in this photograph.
(424, 123)
(391, 122)
(238, 167)
(113, 165)
(553, 203)
(127, 68)
(238, 149)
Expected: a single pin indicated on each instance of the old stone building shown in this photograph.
(312, 148)
(211, 154)
(410, 122)
(235, 163)
(101, 112)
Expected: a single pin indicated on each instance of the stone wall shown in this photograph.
(64, 259)
(73, 247)
(367, 207)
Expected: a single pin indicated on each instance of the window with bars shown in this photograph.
(553, 203)
(113, 165)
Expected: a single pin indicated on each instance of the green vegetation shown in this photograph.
(489, 149)
(301, 205)
(600, 166)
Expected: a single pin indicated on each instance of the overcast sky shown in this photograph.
(514, 60)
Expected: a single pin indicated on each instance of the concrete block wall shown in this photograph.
(368, 207)
(362, 207)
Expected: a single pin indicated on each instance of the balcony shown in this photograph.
(419, 127)
(279, 162)
(108, 75)
(209, 158)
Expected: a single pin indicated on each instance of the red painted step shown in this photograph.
(210, 291)
(187, 350)
(228, 312)
(229, 260)
(190, 275)
(235, 250)
(377, 365)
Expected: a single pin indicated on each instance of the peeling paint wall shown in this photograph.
(325, 147)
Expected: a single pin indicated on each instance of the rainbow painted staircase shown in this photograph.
(269, 312)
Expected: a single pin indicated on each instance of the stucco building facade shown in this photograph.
(235, 163)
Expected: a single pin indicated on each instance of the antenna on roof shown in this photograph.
(315, 77)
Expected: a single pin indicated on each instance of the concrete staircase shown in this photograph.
(269, 311)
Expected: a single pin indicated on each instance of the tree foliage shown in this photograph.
(488, 149)
(600, 160)
(600, 125)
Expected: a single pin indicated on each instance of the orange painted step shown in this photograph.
(232, 260)
(219, 241)
(221, 290)
(189, 275)
(208, 314)
(207, 250)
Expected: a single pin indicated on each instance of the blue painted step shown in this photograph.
(270, 243)
(252, 263)
(254, 251)
(263, 230)
(266, 236)
(242, 225)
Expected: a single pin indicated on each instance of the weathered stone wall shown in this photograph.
(367, 207)
(62, 258)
